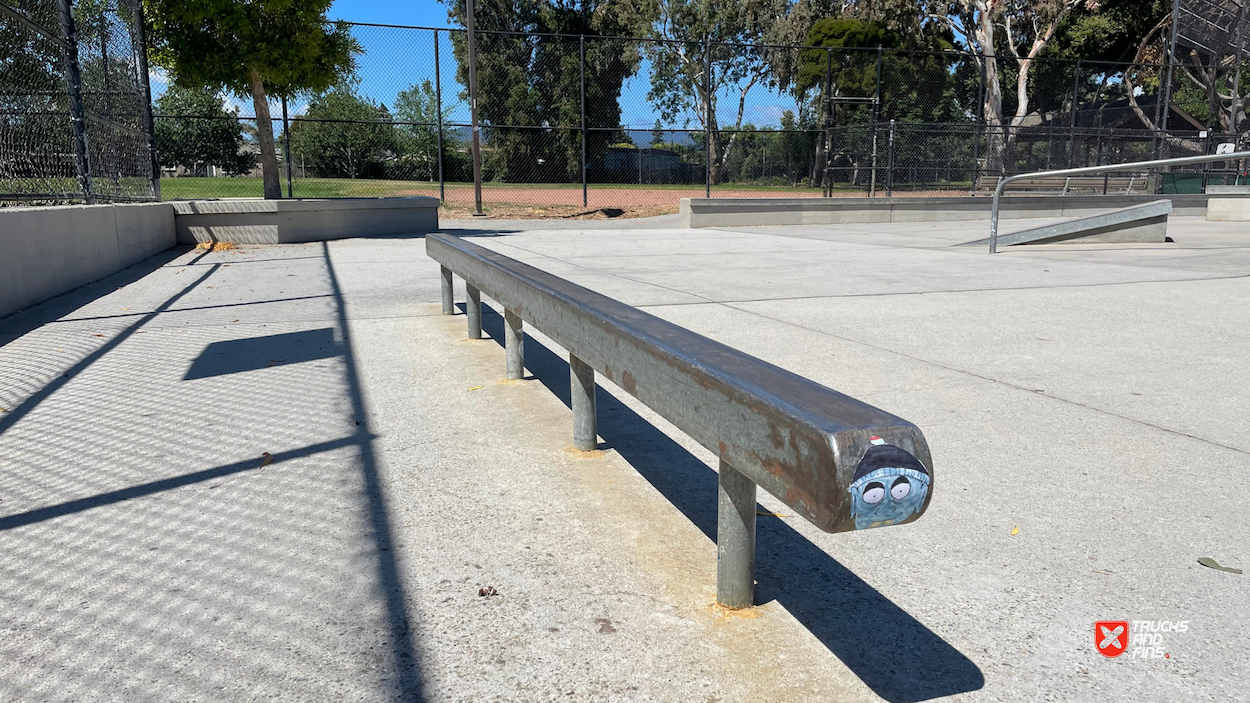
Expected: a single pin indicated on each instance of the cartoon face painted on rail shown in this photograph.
(890, 486)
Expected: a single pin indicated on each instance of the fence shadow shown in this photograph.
(894, 654)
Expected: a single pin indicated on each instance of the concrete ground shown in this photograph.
(279, 473)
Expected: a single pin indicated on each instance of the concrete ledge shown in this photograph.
(256, 221)
(734, 212)
(1227, 209)
(1147, 222)
(53, 250)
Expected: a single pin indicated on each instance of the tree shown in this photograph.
(256, 48)
(1028, 27)
(681, 82)
(536, 80)
(416, 131)
(195, 131)
(657, 135)
(343, 135)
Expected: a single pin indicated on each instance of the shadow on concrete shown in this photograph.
(177, 523)
(894, 654)
(53, 309)
(402, 647)
(251, 353)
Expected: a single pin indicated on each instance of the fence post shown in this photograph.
(286, 148)
(438, 107)
(582, 55)
(140, 39)
(477, 143)
(1076, 97)
(889, 168)
(876, 116)
(1171, 68)
(78, 115)
(829, 115)
(708, 117)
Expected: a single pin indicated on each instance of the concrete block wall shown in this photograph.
(47, 251)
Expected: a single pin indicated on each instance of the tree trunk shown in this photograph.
(714, 149)
(993, 107)
(264, 134)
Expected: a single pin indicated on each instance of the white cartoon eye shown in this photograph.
(873, 493)
(901, 488)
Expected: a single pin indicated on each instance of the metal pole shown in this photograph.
(477, 146)
(1076, 97)
(142, 53)
(582, 56)
(286, 148)
(473, 309)
(828, 185)
(1167, 91)
(78, 116)
(876, 116)
(449, 296)
(514, 344)
(438, 107)
(1130, 166)
(735, 539)
(889, 165)
(582, 392)
(708, 118)
(108, 100)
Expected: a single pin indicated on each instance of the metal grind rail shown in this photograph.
(838, 462)
(1130, 166)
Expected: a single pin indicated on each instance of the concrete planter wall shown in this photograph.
(48, 251)
(255, 221)
(738, 212)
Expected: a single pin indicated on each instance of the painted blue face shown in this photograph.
(887, 496)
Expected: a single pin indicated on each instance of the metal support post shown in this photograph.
(582, 392)
(829, 115)
(286, 149)
(1167, 89)
(477, 141)
(514, 344)
(735, 539)
(141, 52)
(709, 120)
(449, 296)
(889, 165)
(1076, 97)
(78, 114)
(438, 108)
(582, 56)
(473, 309)
(876, 116)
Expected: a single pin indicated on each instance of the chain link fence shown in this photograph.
(573, 124)
(75, 120)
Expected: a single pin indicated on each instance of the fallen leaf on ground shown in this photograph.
(487, 591)
(1212, 564)
(266, 461)
(4, 410)
(97, 335)
(1100, 571)
(275, 362)
(1015, 531)
(476, 387)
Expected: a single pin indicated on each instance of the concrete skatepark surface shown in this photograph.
(1094, 396)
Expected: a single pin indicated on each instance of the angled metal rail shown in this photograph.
(840, 463)
(1130, 166)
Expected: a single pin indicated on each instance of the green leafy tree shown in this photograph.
(536, 80)
(193, 130)
(682, 85)
(257, 48)
(416, 132)
(343, 135)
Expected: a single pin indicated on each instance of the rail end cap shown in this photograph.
(890, 487)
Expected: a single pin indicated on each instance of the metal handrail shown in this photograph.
(1132, 165)
(836, 461)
